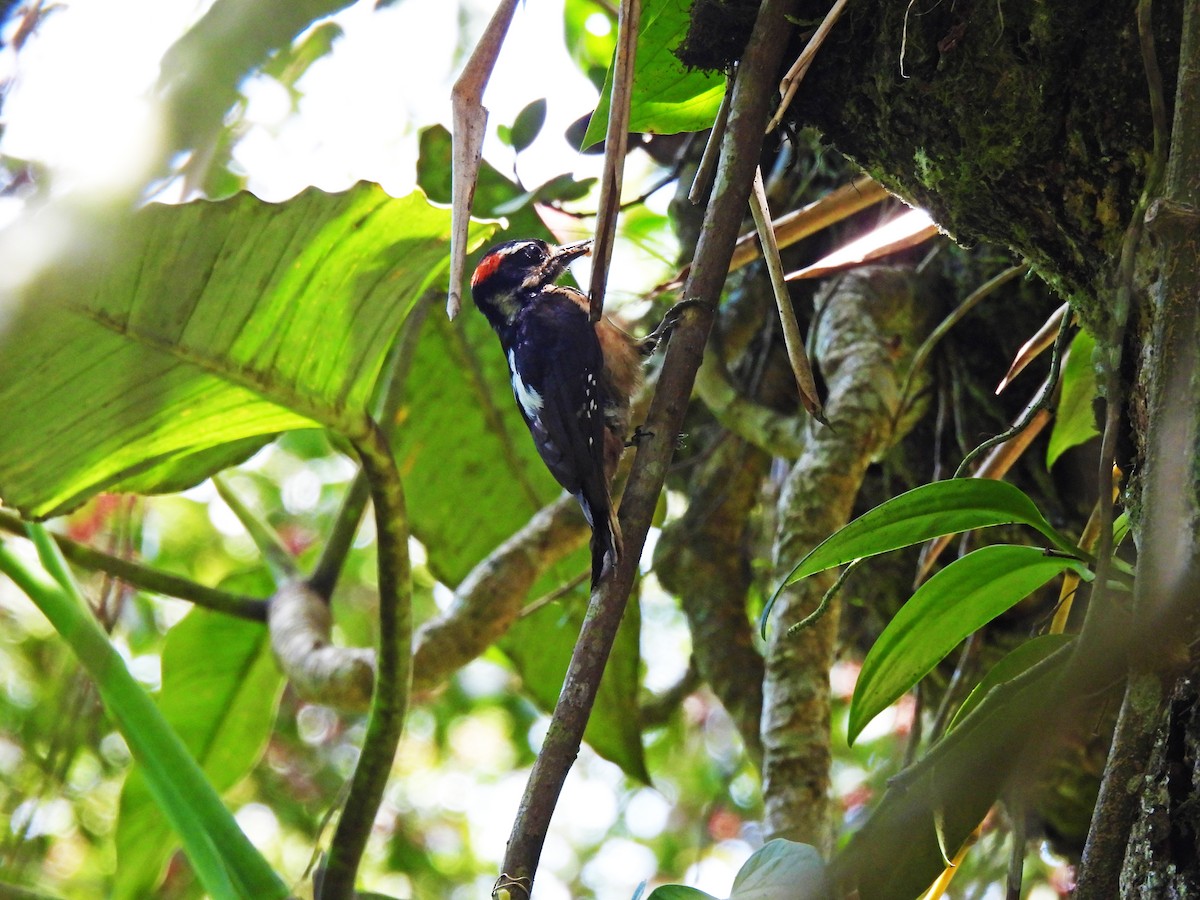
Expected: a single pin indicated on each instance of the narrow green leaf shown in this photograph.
(225, 861)
(780, 870)
(962, 597)
(929, 511)
(667, 97)
(220, 686)
(1074, 421)
(1027, 655)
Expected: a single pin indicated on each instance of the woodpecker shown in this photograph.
(573, 381)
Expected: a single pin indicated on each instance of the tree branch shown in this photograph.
(862, 315)
(739, 158)
(491, 597)
(393, 675)
(147, 578)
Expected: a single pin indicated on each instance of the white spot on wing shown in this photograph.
(530, 400)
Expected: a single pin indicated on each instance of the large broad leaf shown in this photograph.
(1074, 421)
(200, 325)
(540, 646)
(962, 597)
(220, 685)
(781, 870)
(472, 474)
(667, 97)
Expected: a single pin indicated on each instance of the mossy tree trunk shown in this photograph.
(1032, 125)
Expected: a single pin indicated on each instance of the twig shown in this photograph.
(489, 599)
(147, 578)
(393, 672)
(341, 537)
(615, 142)
(1036, 407)
(1033, 347)
(973, 299)
(826, 598)
(792, 338)
(723, 217)
(470, 123)
(791, 81)
(706, 171)
(265, 538)
(389, 396)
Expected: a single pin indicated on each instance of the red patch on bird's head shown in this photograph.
(486, 268)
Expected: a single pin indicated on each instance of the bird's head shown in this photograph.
(510, 274)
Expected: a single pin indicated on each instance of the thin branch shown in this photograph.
(341, 537)
(147, 578)
(470, 124)
(489, 599)
(792, 338)
(389, 395)
(393, 673)
(615, 142)
(1042, 402)
(791, 81)
(713, 253)
(277, 557)
(973, 299)
(706, 171)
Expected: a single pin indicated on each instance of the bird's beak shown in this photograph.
(565, 254)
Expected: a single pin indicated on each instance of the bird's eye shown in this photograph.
(531, 253)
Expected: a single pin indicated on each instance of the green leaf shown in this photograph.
(667, 98)
(205, 324)
(929, 511)
(225, 861)
(962, 597)
(528, 124)
(540, 647)
(448, 447)
(780, 870)
(1024, 657)
(565, 187)
(219, 691)
(592, 52)
(679, 892)
(950, 788)
(1074, 421)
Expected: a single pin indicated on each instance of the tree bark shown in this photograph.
(870, 323)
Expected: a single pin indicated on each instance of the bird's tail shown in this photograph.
(606, 535)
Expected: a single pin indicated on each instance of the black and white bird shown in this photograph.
(573, 380)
